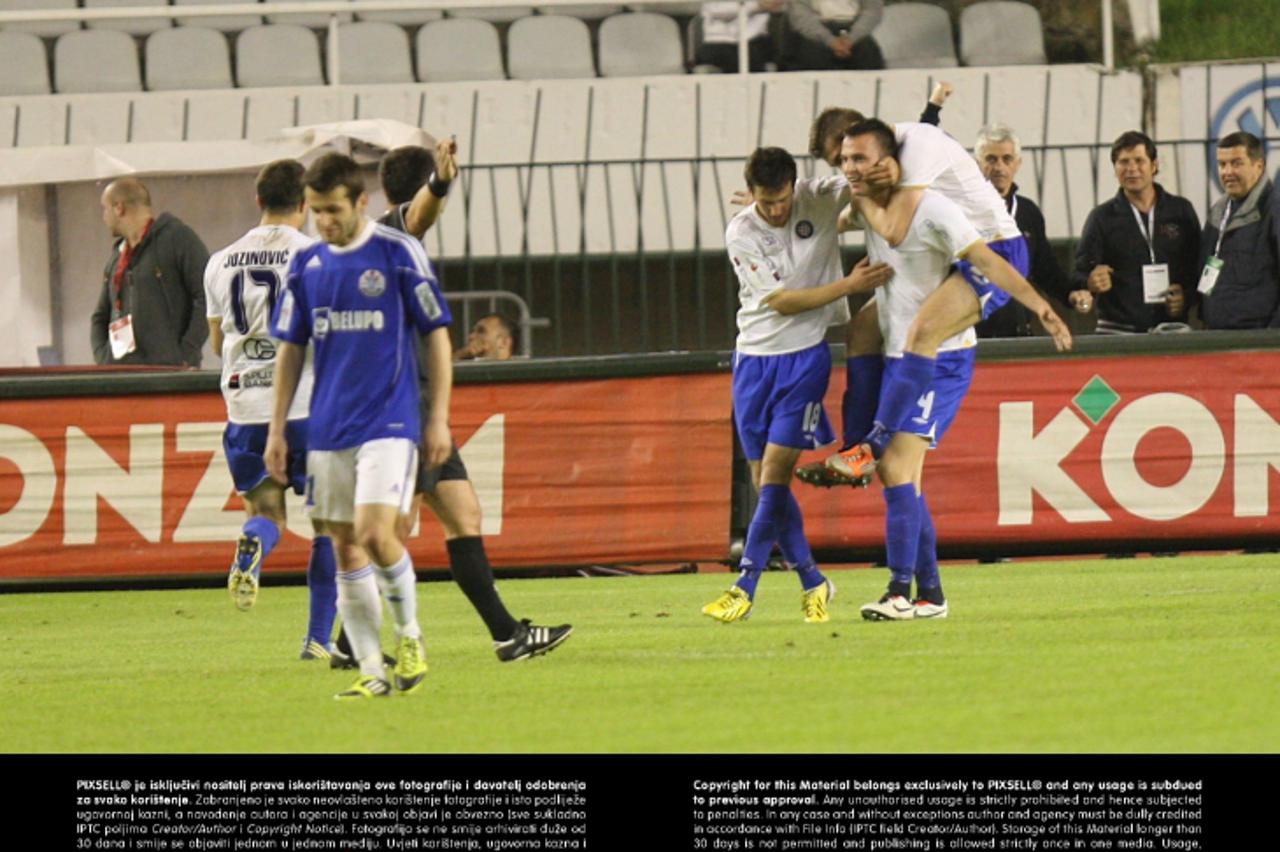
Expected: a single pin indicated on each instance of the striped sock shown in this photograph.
(361, 611)
(399, 588)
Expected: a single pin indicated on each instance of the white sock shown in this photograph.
(399, 589)
(361, 611)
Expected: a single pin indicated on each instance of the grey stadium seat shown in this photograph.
(278, 55)
(549, 47)
(459, 49)
(373, 52)
(96, 61)
(1001, 33)
(916, 35)
(26, 68)
(405, 18)
(584, 11)
(681, 9)
(40, 28)
(133, 26)
(315, 20)
(496, 15)
(226, 23)
(188, 58)
(640, 44)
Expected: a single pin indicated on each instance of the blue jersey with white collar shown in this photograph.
(361, 306)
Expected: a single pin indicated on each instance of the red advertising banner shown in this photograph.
(1092, 453)
(568, 473)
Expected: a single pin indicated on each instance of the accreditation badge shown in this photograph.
(1155, 282)
(1209, 275)
(121, 334)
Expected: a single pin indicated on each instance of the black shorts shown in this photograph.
(452, 469)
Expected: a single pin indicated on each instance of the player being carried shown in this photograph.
(242, 283)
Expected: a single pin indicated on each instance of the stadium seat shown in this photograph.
(25, 64)
(459, 49)
(188, 58)
(584, 11)
(96, 61)
(495, 15)
(314, 20)
(278, 55)
(1001, 32)
(225, 23)
(678, 9)
(47, 29)
(639, 44)
(371, 52)
(133, 26)
(549, 47)
(404, 18)
(916, 35)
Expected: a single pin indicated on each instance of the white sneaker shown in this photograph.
(925, 609)
(889, 608)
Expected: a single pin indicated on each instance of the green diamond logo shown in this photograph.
(1096, 399)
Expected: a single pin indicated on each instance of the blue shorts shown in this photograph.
(939, 405)
(244, 444)
(777, 399)
(991, 297)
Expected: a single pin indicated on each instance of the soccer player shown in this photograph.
(939, 235)
(242, 283)
(416, 184)
(360, 297)
(784, 251)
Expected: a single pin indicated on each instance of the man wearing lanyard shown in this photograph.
(1240, 270)
(151, 309)
(1137, 254)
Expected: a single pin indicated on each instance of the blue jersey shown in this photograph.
(361, 305)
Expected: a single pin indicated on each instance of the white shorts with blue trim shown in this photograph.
(380, 471)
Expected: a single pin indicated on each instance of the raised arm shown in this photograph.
(999, 272)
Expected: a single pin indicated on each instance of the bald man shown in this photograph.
(151, 309)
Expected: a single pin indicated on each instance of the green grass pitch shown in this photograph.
(1142, 655)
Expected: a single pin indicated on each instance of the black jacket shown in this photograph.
(1112, 237)
(1013, 320)
(163, 290)
(1247, 294)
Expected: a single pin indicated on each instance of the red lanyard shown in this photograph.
(126, 255)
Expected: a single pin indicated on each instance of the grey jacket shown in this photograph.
(1247, 294)
(805, 20)
(163, 290)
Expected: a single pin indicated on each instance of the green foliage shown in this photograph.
(1203, 30)
(1144, 655)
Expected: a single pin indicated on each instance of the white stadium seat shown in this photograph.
(549, 47)
(26, 68)
(188, 58)
(372, 52)
(459, 49)
(96, 61)
(278, 55)
(1002, 33)
(584, 11)
(47, 29)
(133, 26)
(407, 18)
(495, 15)
(916, 35)
(640, 44)
(226, 23)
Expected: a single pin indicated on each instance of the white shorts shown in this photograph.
(380, 471)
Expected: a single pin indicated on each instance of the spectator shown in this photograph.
(1137, 255)
(152, 308)
(494, 337)
(833, 35)
(719, 45)
(1240, 278)
(999, 154)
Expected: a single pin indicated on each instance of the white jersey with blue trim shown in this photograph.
(939, 234)
(242, 283)
(803, 253)
(932, 159)
(361, 305)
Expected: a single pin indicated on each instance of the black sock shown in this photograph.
(470, 569)
(902, 589)
(933, 596)
(342, 643)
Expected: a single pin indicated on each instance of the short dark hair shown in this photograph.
(829, 126)
(332, 171)
(882, 132)
(279, 186)
(509, 326)
(403, 171)
(1132, 139)
(1240, 139)
(770, 168)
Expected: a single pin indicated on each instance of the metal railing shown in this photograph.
(523, 318)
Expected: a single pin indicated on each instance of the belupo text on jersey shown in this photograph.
(324, 320)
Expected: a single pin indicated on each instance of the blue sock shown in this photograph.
(795, 547)
(927, 576)
(902, 531)
(322, 586)
(265, 531)
(909, 382)
(861, 396)
(766, 524)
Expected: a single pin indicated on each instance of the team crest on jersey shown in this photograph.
(319, 322)
(372, 283)
(804, 229)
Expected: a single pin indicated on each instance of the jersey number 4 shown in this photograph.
(261, 278)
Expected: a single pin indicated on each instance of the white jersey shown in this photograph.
(803, 253)
(939, 233)
(932, 159)
(241, 284)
